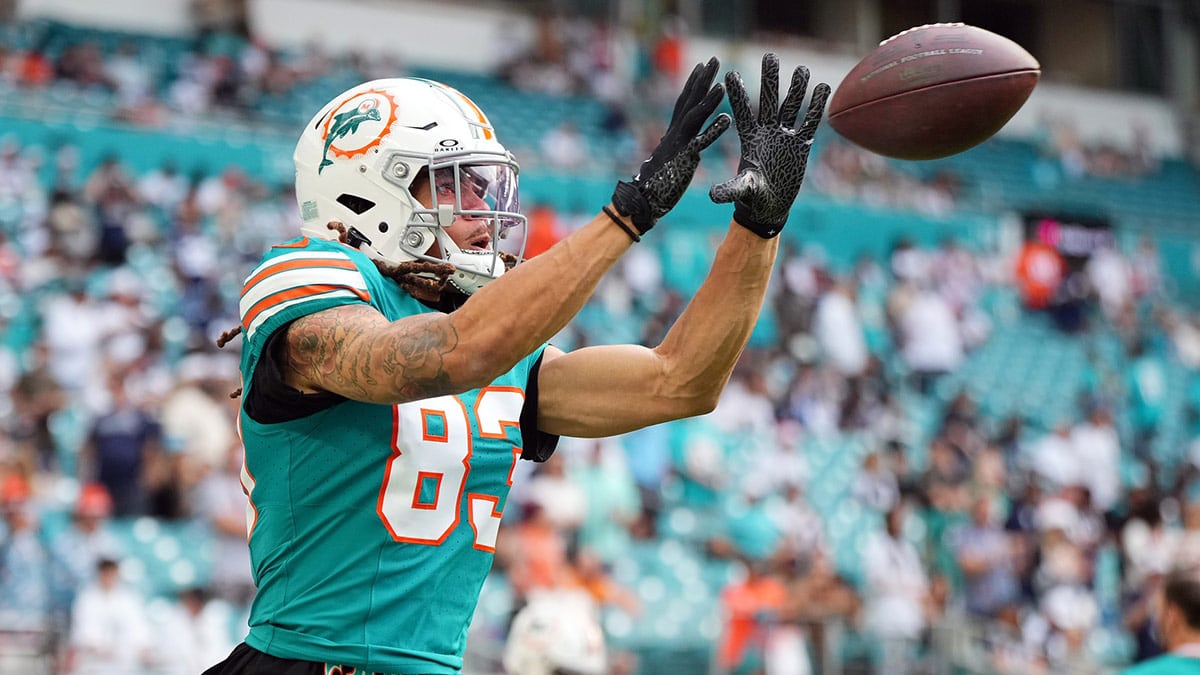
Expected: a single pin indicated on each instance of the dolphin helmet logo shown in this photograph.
(357, 124)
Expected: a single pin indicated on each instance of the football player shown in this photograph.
(395, 361)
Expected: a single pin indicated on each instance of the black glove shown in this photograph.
(663, 178)
(774, 152)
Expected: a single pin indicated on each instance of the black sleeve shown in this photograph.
(270, 400)
(538, 445)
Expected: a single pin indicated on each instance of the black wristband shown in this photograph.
(632, 204)
(621, 224)
(741, 215)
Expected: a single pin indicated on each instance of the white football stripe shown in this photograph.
(267, 314)
(317, 257)
(301, 276)
(298, 255)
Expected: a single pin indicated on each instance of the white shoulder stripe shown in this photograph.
(302, 276)
(267, 314)
(295, 256)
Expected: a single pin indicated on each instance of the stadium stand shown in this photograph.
(82, 206)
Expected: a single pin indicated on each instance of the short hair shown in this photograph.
(1181, 588)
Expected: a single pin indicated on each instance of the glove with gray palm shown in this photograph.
(665, 175)
(774, 150)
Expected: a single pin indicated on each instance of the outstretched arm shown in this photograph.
(355, 352)
(600, 391)
(606, 390)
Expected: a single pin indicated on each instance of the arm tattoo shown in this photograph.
(354, 352)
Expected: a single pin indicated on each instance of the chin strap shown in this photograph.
(475, 269)
(356, 239)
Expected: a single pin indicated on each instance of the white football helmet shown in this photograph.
(556, 633)
(359, 160)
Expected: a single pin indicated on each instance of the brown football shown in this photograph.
(933, 91)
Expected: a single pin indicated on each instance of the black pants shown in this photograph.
(246, 660)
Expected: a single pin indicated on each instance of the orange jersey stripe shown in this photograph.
(293, 294)
(301, 243)
(295, 264)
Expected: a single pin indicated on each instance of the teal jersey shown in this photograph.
(1167, 664)
(372, 527)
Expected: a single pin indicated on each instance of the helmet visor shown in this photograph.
(486, 190)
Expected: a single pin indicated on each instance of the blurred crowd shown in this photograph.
(1046, 543)
(236, 75)
(1063, 155)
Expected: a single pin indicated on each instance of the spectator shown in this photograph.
(72, 332)
(777, 464)
(544, 229)
(37, 396)
(1072, 613)
(910, 264)
(199, 630)
(1110, 275)
(931, 342)
(798, 292)
(1052, 457)
(1147, 541)
(1011, 440)
(750, 606)
(79, 549)
(1039, 273)
(18, 176)
(70, 232)
(109, 180)
(817, 600)
(127, 319)
(1013, 643)
(875, 486)
(196, 416)
(986, 557)
(945, 481)
(24, 561)
(588, 572)
(801, 529)
(535, 553)
(957, 276)
(812, 400)
(163, 187)
(745, 405)
(82, 64)
(1072, 511)
(562, 500)
(123, 452)
(1146, 264)
(110, 634)
(838, 330)
(1097, 450)
(895, 595)
(34, 70)
(130, 75)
